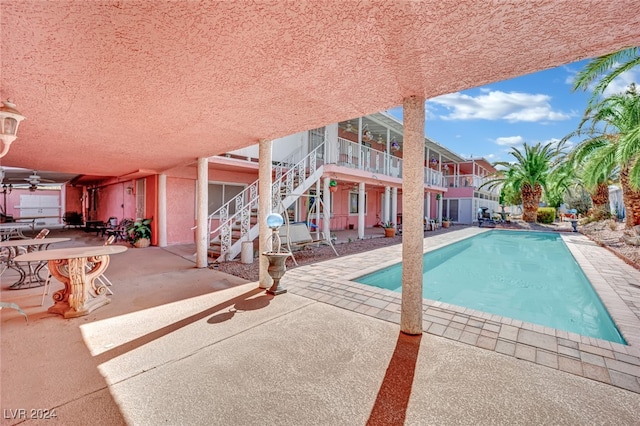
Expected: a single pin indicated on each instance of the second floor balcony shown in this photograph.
(353, 155)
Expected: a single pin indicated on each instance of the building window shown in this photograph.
(354, 198)
(221, 193)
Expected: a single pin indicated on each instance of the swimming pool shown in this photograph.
(529, 276)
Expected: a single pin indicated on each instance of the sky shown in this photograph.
(488, 121)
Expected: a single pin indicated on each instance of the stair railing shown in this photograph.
(244, 202)
(286, 177)
(290, 179)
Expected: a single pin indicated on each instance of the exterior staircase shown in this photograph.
(290, 180)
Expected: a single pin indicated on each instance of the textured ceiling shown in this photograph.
(113, 87)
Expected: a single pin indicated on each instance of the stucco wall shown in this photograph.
(114, 200)
(72, 199)
(181, 201)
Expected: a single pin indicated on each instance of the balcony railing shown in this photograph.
(350, 154)
(462, 181)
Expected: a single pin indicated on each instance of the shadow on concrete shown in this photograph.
(161, 332)
(391, 403)
(242, 306)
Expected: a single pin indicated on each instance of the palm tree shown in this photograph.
(528, 175)
(612, 146)
(606, 69)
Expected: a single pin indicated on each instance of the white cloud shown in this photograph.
(620, 84)
(498, 105)
(510, 140)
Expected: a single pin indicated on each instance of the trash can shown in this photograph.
(246, 252)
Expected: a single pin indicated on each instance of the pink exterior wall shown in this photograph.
(236, 176)
(181, 213)
(113, 200)
(72, 199)
(341, 218)
(461, 192)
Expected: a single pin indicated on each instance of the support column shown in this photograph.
(428, 206)
(317, 212)
(326, 208)
(162, 210)
(361, 208)
(394, 205)
(387, 205)
(202, 224)
(264, 208)
(412, 205)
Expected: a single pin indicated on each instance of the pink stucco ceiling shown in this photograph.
(112, 87)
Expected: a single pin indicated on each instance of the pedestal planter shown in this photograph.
(276, 270)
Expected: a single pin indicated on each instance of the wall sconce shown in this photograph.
(129, 190)
(10, 119)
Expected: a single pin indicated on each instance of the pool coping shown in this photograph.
(608, 362)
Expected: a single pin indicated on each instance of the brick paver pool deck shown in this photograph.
(617, 284)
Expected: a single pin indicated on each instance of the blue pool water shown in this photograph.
(529, 276)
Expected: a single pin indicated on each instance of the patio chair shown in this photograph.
(33, 270)
(110, 224)
(120, 231)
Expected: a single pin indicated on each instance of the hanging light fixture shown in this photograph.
(366, 133)
(394, 144)
(10, 119)
(349, 128)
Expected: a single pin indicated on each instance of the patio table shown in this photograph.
(11, 230)
(80, 294)
(30, 245)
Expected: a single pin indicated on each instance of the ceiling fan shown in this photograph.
(34, 179)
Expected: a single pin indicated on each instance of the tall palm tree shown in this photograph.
(528, 175)
(606, 69)
(612, 146)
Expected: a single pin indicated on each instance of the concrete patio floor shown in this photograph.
(179, 345)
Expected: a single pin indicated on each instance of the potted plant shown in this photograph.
(389, 229)
(333, 186)
(446, 222)
(139, 233)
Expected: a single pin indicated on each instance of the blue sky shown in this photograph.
(488, 121)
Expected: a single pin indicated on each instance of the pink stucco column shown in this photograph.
(412, 206)
(264, 208)
(202, 229)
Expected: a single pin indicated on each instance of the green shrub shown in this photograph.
(546, 214)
